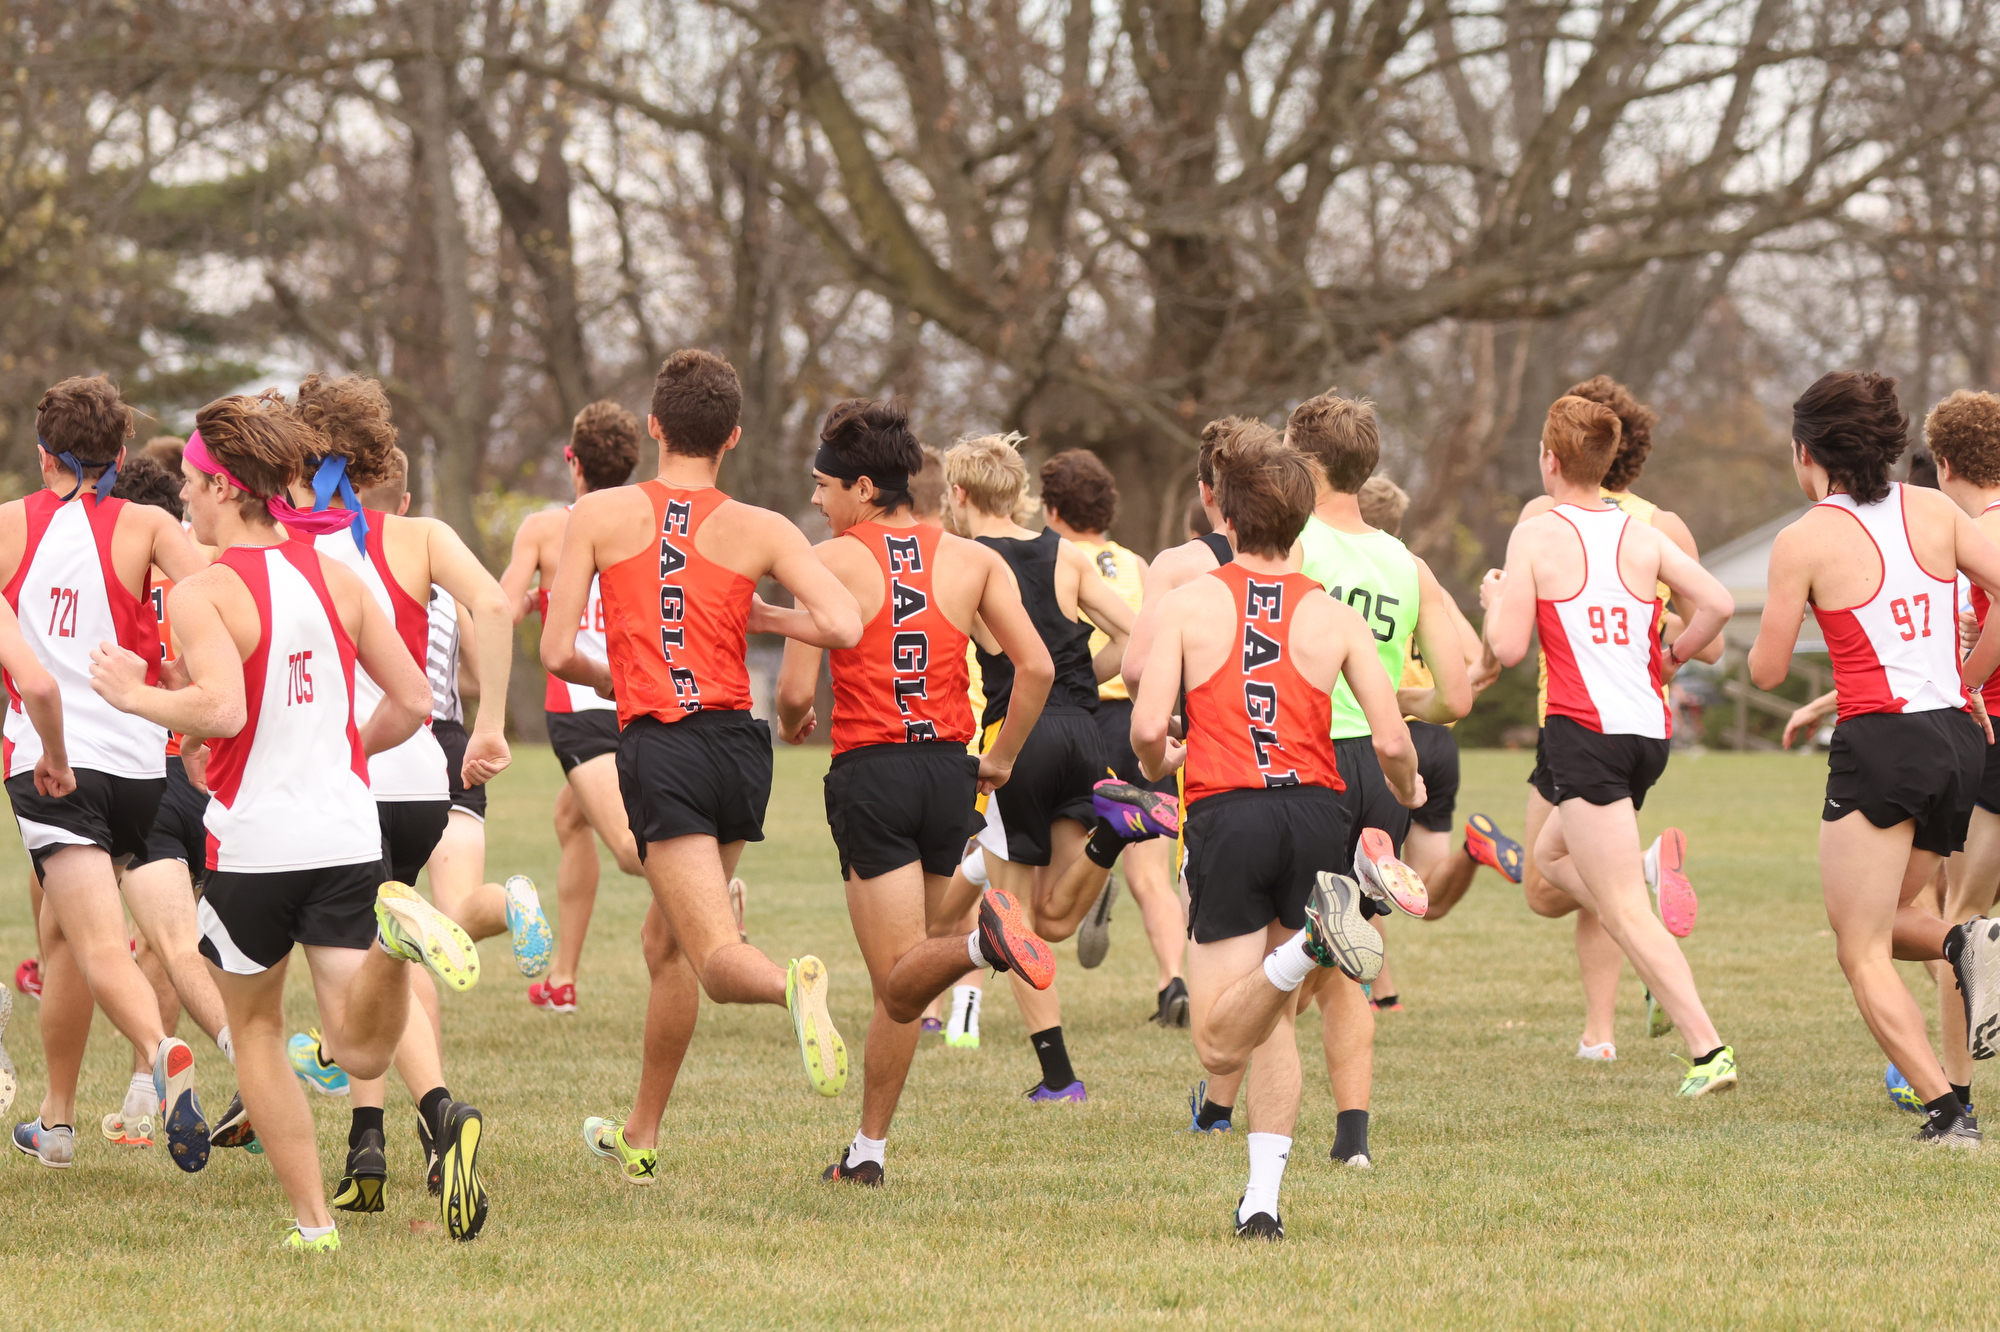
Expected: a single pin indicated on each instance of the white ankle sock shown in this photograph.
(975, 867)
(1268, 1152)
(310, 1233)
(1288, 966)
(977, 954)
(140, 1080)
(964, 1020)
(866, 1149)
(226, 1045)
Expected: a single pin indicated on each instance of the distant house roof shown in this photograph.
(1743, 566)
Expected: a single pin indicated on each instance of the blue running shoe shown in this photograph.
(534, 946)
(1901, 1093)
(1041, 1094)
(1195, 1100)
(186, 1130)
(324, 1078)
(53, 1147)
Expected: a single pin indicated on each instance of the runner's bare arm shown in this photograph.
(1809, 714)
(826, 615)
(406, 690)
(212, 703)
(1153, 702)
(1787, 588)
(798, 687)
(1450, 696)
(575, 567)
(1170, 570)
(455, 569)
(42, 698)
(1980, 559)
(1006, 619)
(1375, 692)
(1670, 525)
(1696, 588)
(1510, 595)
(522, 566)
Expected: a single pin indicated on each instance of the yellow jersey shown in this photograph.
(1120, 568)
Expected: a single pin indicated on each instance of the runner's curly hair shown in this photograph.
(1079, 489)
(352, 414)
(604, 439)
(1850, 423)
(1964, 431)
(262, 441)
(1635, 428)
(144, 481)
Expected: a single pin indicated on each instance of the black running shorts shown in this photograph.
(1894, 766)
(115, 813)
(1601, 769)
(1051, 780)
(472, 799)
(1252, 857)
(708, 773)
(178, 833)
(579, 737)
(1437, 762)
(249, 921)
(1114, 736)
(1367, 802)
(895, 805)
(1544, 784)
(411, 830)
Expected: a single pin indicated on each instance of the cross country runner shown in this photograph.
(900, 790)
(1569, 577)
(74, 563)
(677, 562)
(1906, 763)
(603, 449)
(1261, 648)
(271, 635)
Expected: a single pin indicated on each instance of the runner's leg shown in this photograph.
(161, 898)
(577, 873)
(1149, 874)
(271, 1094)
(1974, 881)
(673, 1003)
(458, 879)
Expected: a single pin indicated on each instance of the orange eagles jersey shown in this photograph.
(905, 681)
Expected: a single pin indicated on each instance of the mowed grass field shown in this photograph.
(1513, 1186)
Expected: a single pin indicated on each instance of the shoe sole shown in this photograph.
(1387, 878)
(10, 1085)
(1004, 929)
(963, 1043)
(463, 1202)
(820, 1046)
(442, 948)
(1982, 994)
(1678, 904)
(534, 944)
(1724, 1083)
(359, 1193)
(1175, 1014)
(1481, 835)
(1140, 817)
(186, 1130)
(1093, 938)
(1356, 945)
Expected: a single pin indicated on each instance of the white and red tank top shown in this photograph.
(415, 769)
(1603, 643)
(1898, 650)
(1257, 723)
(563, 696)
(68, 599)
(290, 790)
(905, 681)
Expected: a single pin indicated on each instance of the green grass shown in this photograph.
(1513, 1185)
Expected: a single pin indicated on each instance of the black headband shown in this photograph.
(828, 463)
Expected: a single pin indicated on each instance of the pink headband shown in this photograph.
(281, 508)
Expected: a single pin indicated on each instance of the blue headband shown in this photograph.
(332, 474)
(70, 460)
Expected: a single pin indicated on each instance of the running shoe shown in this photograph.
(1666, 875)
(28, 978)
(1008, 943)
(360, 1188)
(825, 1054)
(868, 1173)
(414, 930)
(433, 1167)
(1074, 1094)
(53, 1147)
(1196, 1099)
(186, 1130)
(1337, 934)
(298, 1243)
(931, 1026)
(534, 946)
(1387, 879)
(1962, 1131)
(1358, 1161)
(739, 895)
(1605, 1053)
(1901, 1093)
(1391, 1003)
(553, 998)
(463, 1201)
(132, 1124)
(1658, 1023)
(309, 1062)
(1485, 843)
(1173, 1005)
(1718, 1074)
(235, 1130)
(1135, 812)
(606, 1137)
(1259, 1225)
(9, 1083)
(1978, 970)
(1093, 936)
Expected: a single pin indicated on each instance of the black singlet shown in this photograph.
(1218, 546)
(1034, 566)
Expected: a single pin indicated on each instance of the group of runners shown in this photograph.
(239, 674)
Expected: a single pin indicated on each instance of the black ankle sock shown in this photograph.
(1964, 1095)
(1350, 1135)
(1104, 844)
(1954, 943)
(1056, 1072)
(365, 1117)
(1945, 1109)
(1710, 1055)
(1212, 1114)
(1385, 1001)
(432, 1108)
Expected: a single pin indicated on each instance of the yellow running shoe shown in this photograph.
(1718, 1074)
(1657, 1022)
(416, 931)
(606, 1137)
(819, 1044)
(298, 1243)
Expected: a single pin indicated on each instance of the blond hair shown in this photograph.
(991, 471)
(1383, 504)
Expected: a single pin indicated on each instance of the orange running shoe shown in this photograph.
(1666, 875)
(1485, 843)
(1387, 879)
(1008, 943)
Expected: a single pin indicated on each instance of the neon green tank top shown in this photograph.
(1377, 577)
